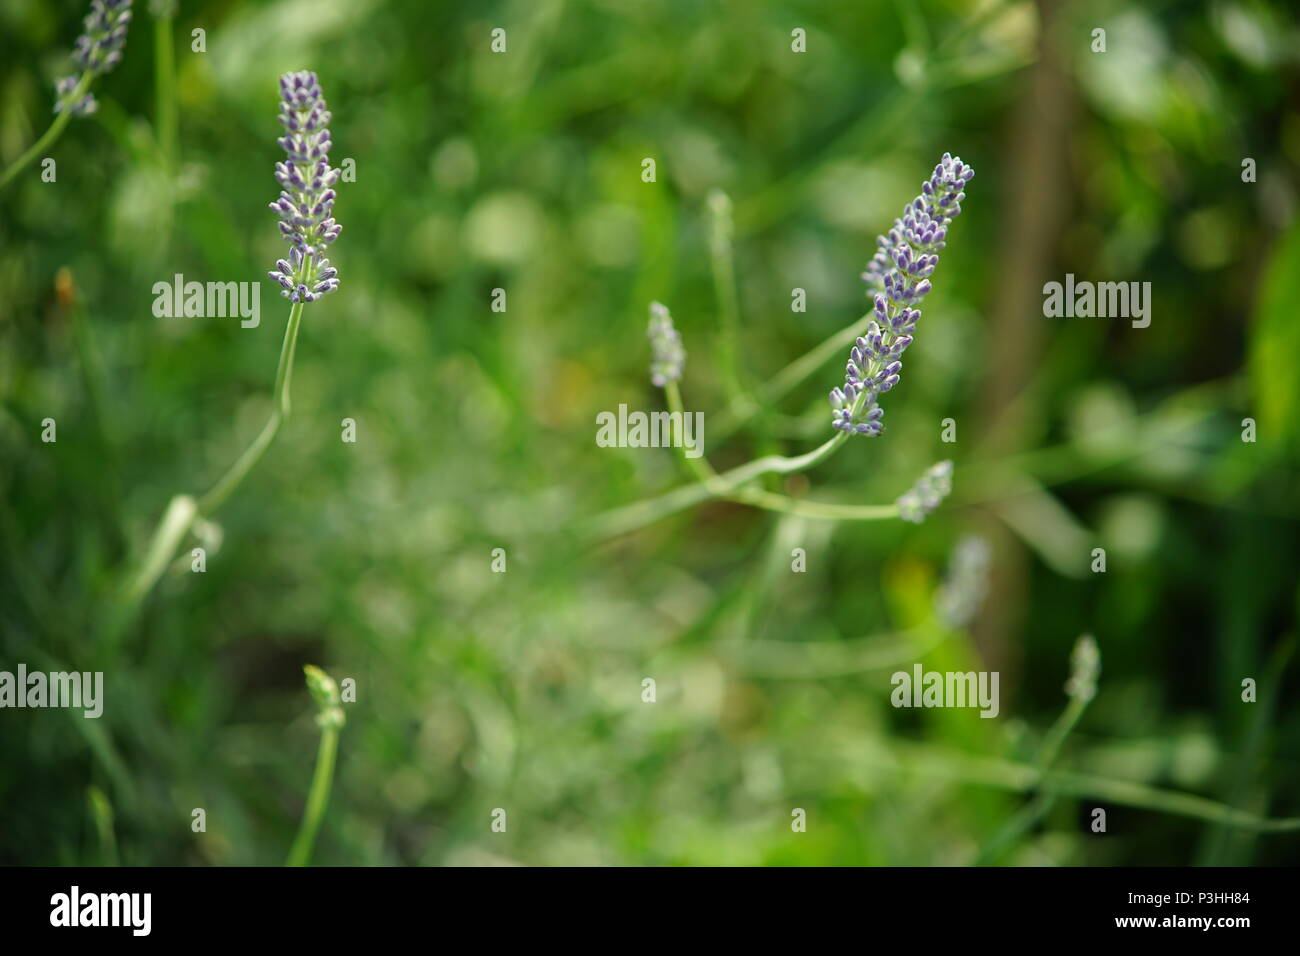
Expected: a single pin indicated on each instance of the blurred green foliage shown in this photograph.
(478, 690)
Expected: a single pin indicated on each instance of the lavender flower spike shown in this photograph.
(1085, 668)
(668, 355)
(963, 590)
(900, 275)
(99, 49)
(924, 496)
(307, 196)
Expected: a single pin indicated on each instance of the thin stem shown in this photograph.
(779, 385)
(317, 799)
(165, 90)
(728, 484)
(721, 487)
(183, 510)
(176, 522)
(620, 521)
(725, 485)
(1063, 727)
(253, 454)
(1167, 801)
(698, 466)
(724, 283)
(1009, 775)
(1043, 802)
(822, 510)
(782, 465)
(51, 134)
(817, 660)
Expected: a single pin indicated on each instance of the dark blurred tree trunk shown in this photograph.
(1037, 199)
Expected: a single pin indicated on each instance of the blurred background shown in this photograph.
(523, 690)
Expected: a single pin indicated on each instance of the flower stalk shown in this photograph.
(98, 50)
(1081, 688)
(164, 12)
(305, 206)
(905, 259)
(330, 719)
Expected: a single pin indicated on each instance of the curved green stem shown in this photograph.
(176, 522)
(330, 719)
(253, 454)
(728, 485)
(1043, 802)
(1085, 667)
(724, 485)
(698, 466)
(822, 510)
(1009, 775)
(736, 413)
(1166, 801)
(783, 465)
(184, 510)
(317, 799)
(51, 134)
